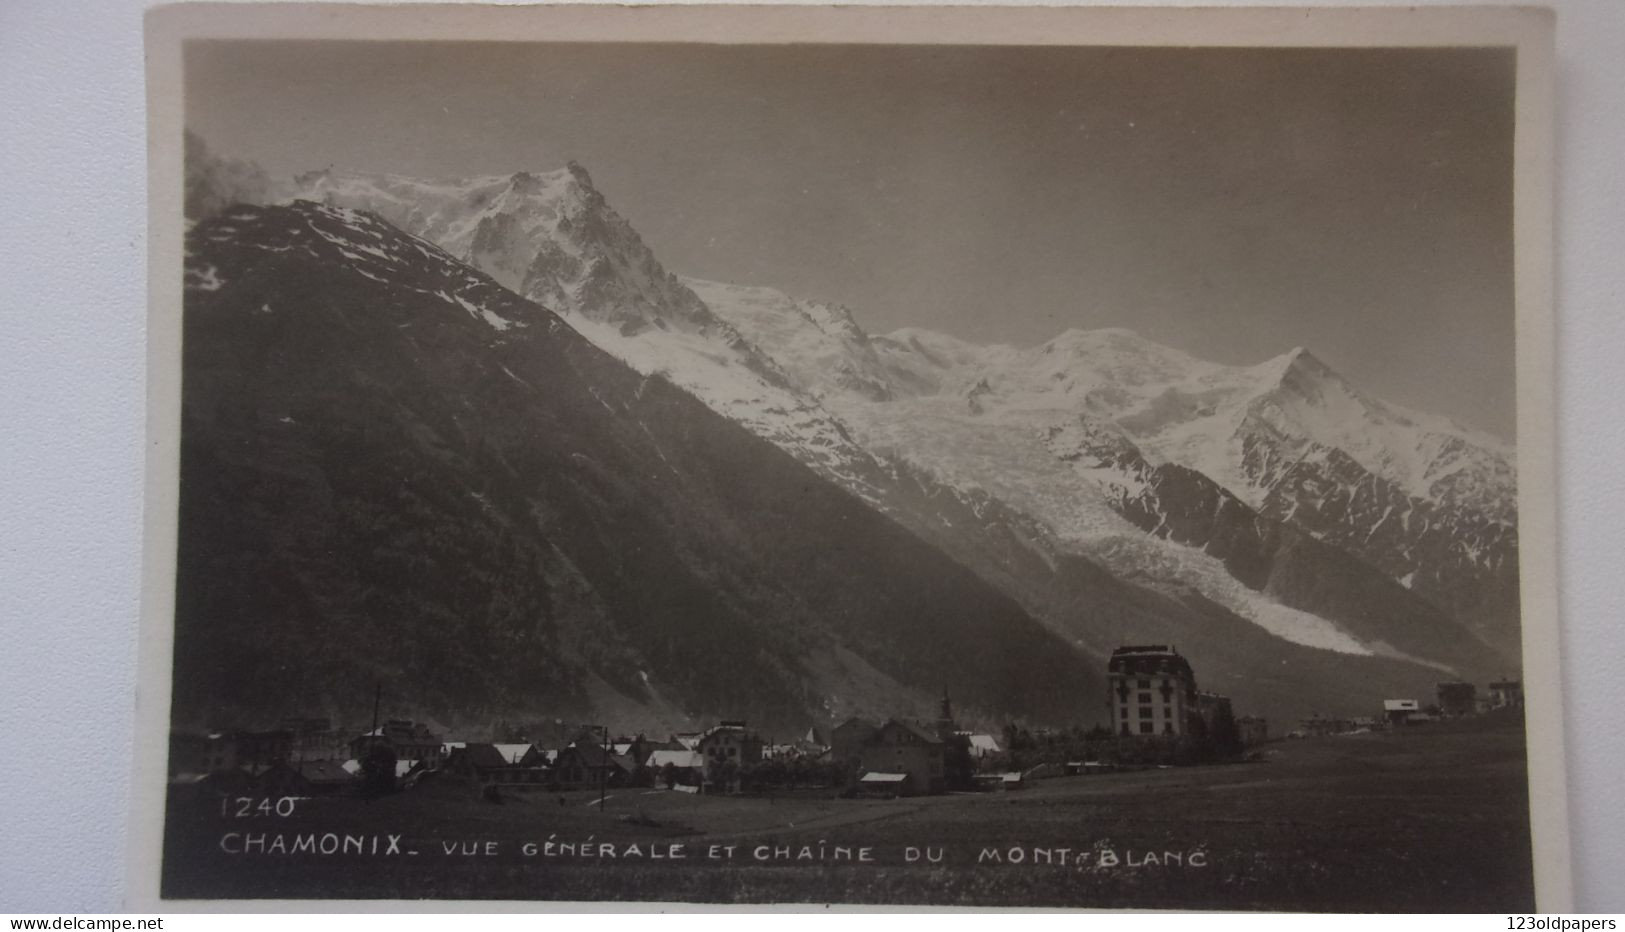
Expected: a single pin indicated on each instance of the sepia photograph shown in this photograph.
(889, 457)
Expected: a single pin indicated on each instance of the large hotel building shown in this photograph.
(1152, 691)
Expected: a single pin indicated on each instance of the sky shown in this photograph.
(1232, 203)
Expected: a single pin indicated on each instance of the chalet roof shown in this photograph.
(325, 771)
(925, 735)
(512, 753)
(353, 767)
(539, 756)
(1133, 650)
(1148, 660)
(478, 755)
(413, 732)
(591, 755)
(984, 743)
(675, 758)
(725, 727)
(856, 722)
(876, 777)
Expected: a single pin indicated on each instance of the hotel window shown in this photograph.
(1145, 697)
(1146, 728)
(1145, 711)
(1144, 684)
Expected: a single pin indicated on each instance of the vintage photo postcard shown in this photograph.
(1007, 457)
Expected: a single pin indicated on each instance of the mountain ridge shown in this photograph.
(848, 404)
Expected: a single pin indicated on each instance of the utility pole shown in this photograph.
(377, 696)
(603, 778)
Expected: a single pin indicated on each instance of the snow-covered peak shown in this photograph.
(1301, 399)
(820, 347)
(450, 212)
(549, 236)
(1175, 407)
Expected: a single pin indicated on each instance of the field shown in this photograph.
(1430, 818)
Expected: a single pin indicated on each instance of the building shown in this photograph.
(848, 739)
(325, 777)
(981, 746)
(1456, 699)
(587, 765)
(279, 780)
(222, 751)
(1002, 782)
(473, 761)
(726, 748)
(730, 741)
(513, 752)
(314, 738)
(539, 756)
(497, 763)
(1151, 691)
(900, 747)
(1506, 694)
(410, 741)
(1215, 714)
(1252, 730)
(676, 768)
(1400, 711)
(876, 783)
(1319, 726)
(260, 749)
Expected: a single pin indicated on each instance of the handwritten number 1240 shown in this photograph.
(245, 807)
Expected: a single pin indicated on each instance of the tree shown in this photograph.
(378, 771)
(721, 774)
(1224, 740)
(958, 769)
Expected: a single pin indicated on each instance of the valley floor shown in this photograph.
(1429, 818)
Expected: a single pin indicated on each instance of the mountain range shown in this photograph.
(396, 472)
(1310, 547)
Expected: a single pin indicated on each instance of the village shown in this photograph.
(1160, 719)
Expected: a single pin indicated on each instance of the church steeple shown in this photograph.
(945, 717)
